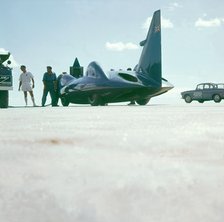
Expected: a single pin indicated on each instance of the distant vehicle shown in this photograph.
(5, 80)
(99, 88)
(205, 92)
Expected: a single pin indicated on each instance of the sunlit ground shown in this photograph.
(118, 163)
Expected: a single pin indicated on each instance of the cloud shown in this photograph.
(202, 23)
(174, 5)
(120, 46)
(166, 23)
(11, 58)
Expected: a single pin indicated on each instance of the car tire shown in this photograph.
(64, 101)
(217, 98)
(188, 99)
(103, 104)
(94, 100)
(142, 102)
(4, 99)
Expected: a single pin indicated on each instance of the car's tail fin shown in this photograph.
(150, 61)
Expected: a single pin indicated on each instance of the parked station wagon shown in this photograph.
(205, 92)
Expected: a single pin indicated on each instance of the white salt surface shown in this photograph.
(156, 163)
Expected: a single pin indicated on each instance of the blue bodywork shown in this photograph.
(98, 88)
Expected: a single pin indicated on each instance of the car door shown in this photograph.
(207, 91)
(197, 95)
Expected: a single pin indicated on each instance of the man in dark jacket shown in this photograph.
(50, 85)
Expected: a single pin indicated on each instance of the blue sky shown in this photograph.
(54, 32)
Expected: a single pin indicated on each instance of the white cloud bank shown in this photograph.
(11, 58)
(203, 23)
(166, 23)
(120, 46)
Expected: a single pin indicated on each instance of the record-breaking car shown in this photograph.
(99, 88)
(205, 92)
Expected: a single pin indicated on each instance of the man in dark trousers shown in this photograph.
(50, 85)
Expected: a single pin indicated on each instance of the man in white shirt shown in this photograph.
(25, 81)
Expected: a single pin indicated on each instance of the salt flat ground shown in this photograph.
(155, 163)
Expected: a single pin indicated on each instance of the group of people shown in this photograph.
(26, 83)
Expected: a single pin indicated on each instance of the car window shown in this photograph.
(206, 86)
(91, 73)
(220, 86)
(200, 87)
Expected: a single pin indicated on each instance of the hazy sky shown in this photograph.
(54, 32)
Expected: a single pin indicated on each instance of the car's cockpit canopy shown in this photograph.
(95, 71)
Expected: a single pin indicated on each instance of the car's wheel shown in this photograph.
(200, 101)
(4, 99)
(94, 100)
(142, 102)
(217, 98)
(188, 99)
(103, 104)
(64, 101)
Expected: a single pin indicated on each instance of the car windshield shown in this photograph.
(200, 87)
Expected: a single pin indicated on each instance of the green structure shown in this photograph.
(5, 80)
(76, 70)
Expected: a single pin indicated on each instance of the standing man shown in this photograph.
(50, 85)
(25, 81)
